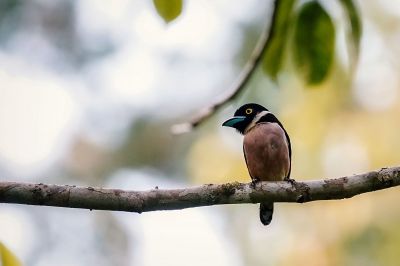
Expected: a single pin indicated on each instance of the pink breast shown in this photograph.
(267, 152)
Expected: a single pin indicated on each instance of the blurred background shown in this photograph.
(88, 94)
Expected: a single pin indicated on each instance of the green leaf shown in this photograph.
(355, 23)
(168, 9)
(314, 42)
(7, 258)
(278, 37)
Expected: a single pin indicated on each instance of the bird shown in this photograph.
(266, 147)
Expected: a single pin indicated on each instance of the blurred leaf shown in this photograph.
(355, 23)
(277, 38)
(7, 6)
(363, 248)
(168, 9)
(314, 42)
(7, 258)
(9, 17)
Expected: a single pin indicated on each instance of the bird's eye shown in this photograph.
(248, 111)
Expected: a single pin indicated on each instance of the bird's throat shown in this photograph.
(255, 120)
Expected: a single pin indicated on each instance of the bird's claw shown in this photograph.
(254, 183)
(291, 181)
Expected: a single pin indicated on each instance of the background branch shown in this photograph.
(241, 82)
(205, 195)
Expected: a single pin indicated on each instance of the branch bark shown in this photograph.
(205, 195)
(240, 83)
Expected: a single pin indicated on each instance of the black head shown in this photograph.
(244, 116)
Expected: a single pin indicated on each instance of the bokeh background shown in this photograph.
(89, 91)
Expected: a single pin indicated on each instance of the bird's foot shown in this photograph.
(254, 183)
(291, 181)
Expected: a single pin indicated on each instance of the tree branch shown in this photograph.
(205, 195)
(241, 82)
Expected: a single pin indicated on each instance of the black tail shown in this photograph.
(266, 211)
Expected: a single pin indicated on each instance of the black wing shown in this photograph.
(290, 149)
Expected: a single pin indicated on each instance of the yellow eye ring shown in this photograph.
(248, 111)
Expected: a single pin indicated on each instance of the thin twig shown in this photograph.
(205, 195)
(240, 83)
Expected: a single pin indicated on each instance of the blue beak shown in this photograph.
(233, 121)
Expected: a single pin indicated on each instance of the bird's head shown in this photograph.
(245, 116)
